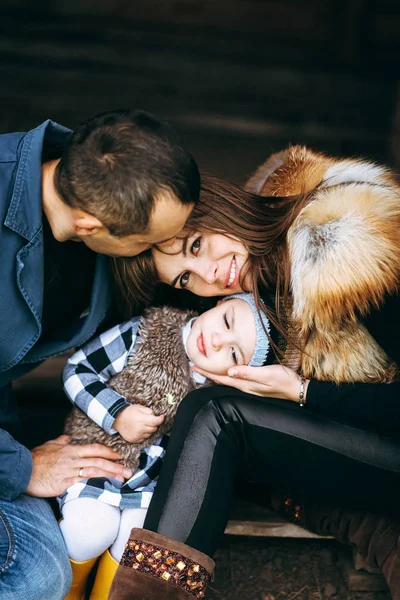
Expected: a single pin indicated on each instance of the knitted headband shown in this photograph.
(262, 342)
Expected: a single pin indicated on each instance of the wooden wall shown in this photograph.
(240, 78)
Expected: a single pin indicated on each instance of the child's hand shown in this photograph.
(136, 423)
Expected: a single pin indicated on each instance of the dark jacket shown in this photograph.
(21, 287)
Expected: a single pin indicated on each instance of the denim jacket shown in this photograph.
(21, 284)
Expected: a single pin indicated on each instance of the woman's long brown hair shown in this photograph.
(260, 223)
(136, 279)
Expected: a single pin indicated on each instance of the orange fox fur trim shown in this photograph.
(345, 257)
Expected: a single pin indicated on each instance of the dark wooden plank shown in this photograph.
(280, 18)
(251, 519)
(179, 72)
(103, 34)
(267, 528)
(394, 141)
(204, 76)
(170, 83)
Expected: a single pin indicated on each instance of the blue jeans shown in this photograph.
(34, 562)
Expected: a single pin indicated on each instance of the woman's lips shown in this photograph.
(232, 275)
(201, 345)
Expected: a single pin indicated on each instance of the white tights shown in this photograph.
(90, 526)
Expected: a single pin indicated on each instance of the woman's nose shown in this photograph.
(209, 271)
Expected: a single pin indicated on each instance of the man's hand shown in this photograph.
(57, 464)
(136, 423)
(273, 381)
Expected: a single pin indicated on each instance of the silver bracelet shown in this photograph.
(302, 390)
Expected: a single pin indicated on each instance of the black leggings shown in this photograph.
(220, 432)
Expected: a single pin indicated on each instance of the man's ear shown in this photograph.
(86, 224)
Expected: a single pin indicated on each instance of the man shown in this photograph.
(120, 183)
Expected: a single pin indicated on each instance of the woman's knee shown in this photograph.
(205, 406)
(190, 406)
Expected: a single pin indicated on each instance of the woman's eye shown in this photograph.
(226, 322)
(184, 279)
(195, 247)
(234, 356)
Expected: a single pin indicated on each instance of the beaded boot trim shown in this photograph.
(169, 566)
(293, 510)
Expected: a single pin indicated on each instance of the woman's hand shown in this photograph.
(273, 381)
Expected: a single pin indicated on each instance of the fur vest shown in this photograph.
(344, 248)
(157, 375)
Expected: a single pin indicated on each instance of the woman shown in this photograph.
(331, 238)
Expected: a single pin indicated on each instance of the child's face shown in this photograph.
(223, 337)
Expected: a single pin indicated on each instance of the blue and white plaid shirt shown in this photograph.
(85, 382)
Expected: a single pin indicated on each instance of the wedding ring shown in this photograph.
(80, 472)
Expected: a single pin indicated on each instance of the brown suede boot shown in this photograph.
(376, 538)
(154, 567)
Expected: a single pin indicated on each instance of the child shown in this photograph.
(141, 365)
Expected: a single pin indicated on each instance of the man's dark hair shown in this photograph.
(116, 163)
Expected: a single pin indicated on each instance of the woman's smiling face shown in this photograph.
(207, 264)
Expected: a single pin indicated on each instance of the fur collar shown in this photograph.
(345, 258)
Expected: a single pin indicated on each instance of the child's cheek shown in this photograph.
(217, 367)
